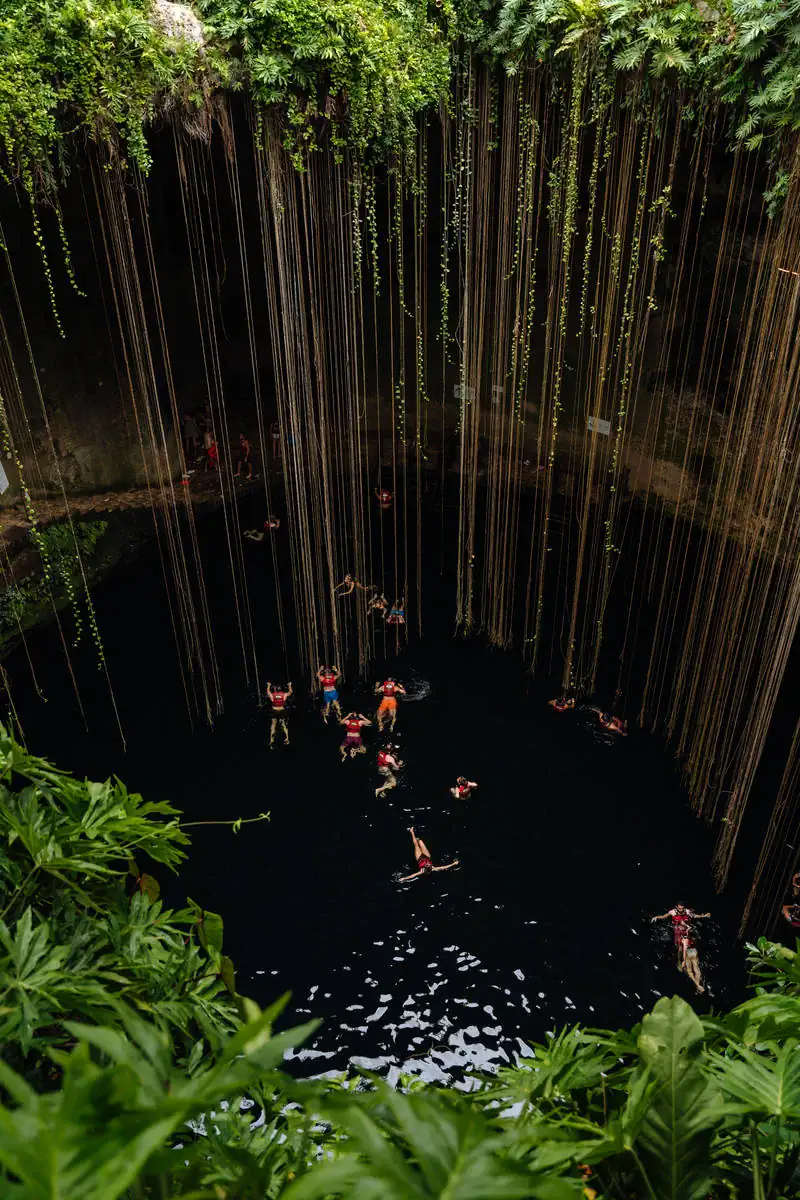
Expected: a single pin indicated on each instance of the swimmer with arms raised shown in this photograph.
(387, 709)
(328, 678)
(464, 788)
(423, 856)
(353, 742)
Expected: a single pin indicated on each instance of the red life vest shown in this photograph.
(353, 726)
(328, 681)
(279, 699)
(463, 789)
(681, 918)
(383, 758)
(385, 497)
(389, 688)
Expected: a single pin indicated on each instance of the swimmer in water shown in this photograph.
(279, 698)
(378, 604)
(791, 913)
(258, 535)
(463, 789)
(562, 703)
(349, 584)
(397, 613)
(384, 497)
(387, 709)
(328, 678)
(681, 918)
(424, 862)
(689, 960)
(387, 765)
(611, 723)
(353, 743)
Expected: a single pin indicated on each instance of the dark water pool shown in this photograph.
(570, 843)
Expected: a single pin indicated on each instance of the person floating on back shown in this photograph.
(328, 679)
(562, 703)
(387, 765)
(688, 959)
(397, 613)
(424, 862)
(258, 535)
(387, 709)
(353, 743)
(279, 698)
(378, 604)
(464, 788)
(681, 917)
(349, 584)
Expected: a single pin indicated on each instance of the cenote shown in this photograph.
(453, 344)
(445, 972)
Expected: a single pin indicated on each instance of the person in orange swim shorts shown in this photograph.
(387, 709)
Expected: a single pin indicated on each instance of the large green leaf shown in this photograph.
(760, 1085)
(682, 1109)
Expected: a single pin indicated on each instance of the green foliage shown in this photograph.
(370, 65)
(128, 1071)
(363, 69)
(82, 928)
(96, 64)
(61, 547)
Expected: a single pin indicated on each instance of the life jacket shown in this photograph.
(385, 497)
(463, 789)
(383, 758)
(681, 918)
(279, 699)
(353, 726)
(389, 688)
(328, 681)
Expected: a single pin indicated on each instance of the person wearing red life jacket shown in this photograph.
(387, 765)
(384, 497)
(681, 917)
(464, 788)
(424, 861)
(389, 690)
(353, 743)
(279, 698)
(562, 703)
(328, 679)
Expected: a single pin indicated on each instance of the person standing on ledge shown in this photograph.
(464, 788)
(328, 679)
(279, 698)
(387, 765)
(244, 457)
(387, 709)
(424, 862)
(353, 742)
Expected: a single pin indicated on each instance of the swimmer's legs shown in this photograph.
(693, 971)
(285, 728)
(337, 708)
(420, 849)
(391, 782)
(326, 708)
(272, 728)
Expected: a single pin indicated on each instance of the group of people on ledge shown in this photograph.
(389, 690)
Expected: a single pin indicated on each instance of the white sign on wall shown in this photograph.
(598, 425)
